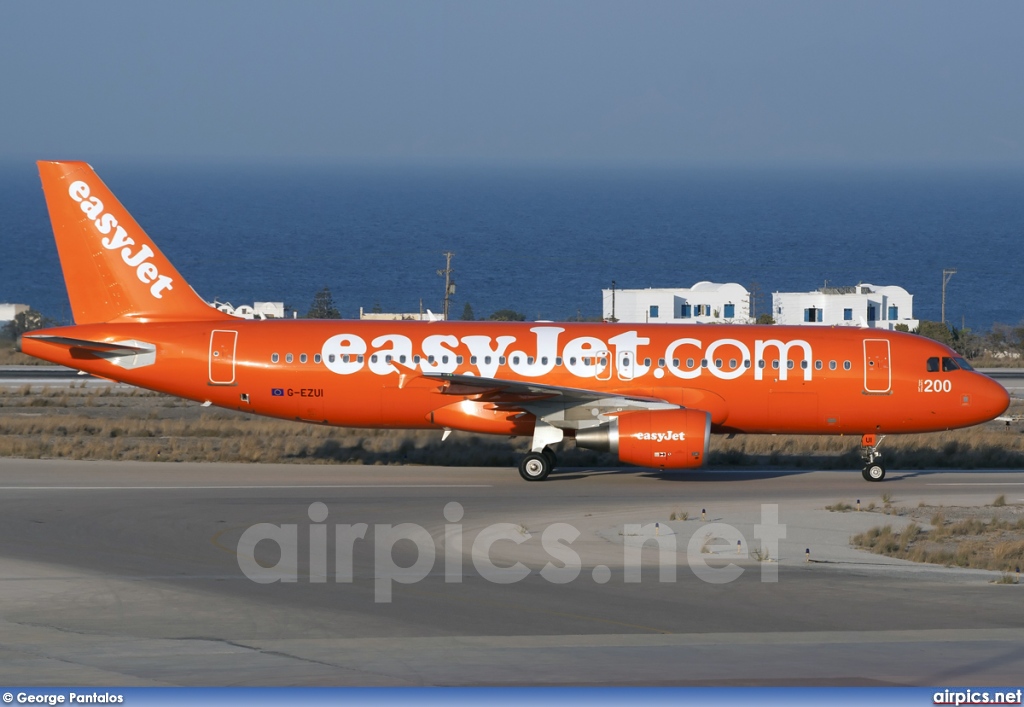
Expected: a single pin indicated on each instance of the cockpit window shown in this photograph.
(933, 364)
(963, 364)
(949, 364)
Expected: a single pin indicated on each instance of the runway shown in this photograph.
(129, 574)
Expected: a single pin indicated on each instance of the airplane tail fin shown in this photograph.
(112, 269)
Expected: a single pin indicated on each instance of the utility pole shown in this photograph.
(613, 302)
(449, 284)
(755, 295)
(946, 274)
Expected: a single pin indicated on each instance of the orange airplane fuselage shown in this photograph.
(650, 393)
(832, 381)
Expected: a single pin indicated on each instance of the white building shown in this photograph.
(880, 307)
(258, 310)
(9, 311)
(400, 316)
(705, 302)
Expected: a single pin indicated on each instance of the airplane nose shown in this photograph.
(991, 398)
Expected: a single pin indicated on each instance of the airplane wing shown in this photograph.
(565, 408)
(497, 389)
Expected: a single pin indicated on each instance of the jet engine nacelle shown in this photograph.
(667, 439)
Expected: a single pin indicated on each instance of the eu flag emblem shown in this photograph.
(277, 392)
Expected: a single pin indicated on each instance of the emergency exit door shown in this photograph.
(222, 356)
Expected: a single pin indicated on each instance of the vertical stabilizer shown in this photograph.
(112, 269)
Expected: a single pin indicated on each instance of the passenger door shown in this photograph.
(222, 356)
(877, 374)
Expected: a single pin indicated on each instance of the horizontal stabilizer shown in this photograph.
(98, 347)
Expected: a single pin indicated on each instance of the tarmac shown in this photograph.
(120, 573)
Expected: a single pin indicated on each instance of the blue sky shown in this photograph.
(639, 83)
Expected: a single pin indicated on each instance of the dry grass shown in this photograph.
(839, 507)
(993, 544)
(10, 357)
(113, 423)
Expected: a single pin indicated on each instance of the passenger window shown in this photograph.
(847, 365)
(689, 363)
(288, 358)
(604, 361)
(472, 360)
(501, 360)
(661, 363)
(444, 359)
(401, 359)
(359, 358)
(746, 363)
(430, 359)
(515, 360)
(388, 358)
(274, 358)
(572, 360)
(949, 364)
(529, 360)
(487, 360)
(316, 358)
(775, 364)
(544, 361)
(647, 362)
(302, 358)
(760, 363)
(373, 358)
(416, 359)
(831, 365)
(933, 364)
(459, 360)
(803, 364)
(732, 363)
(675, 363)
(817, 365)
(558, 360)
(344, 358)
(330, 357)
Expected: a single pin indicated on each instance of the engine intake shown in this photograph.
(665, 439)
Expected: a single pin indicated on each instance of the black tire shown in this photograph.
(534, 467)
(874, 472)
(550, 455)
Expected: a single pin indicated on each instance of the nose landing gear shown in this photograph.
(872, 458)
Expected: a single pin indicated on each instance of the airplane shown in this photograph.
(652, 394)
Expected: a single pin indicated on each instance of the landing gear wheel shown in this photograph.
(873, 472)
(549, 454)
(535, 467)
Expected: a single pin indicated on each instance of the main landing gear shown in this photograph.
(537, 465)
(872, 458)
(541, 460)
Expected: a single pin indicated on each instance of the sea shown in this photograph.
(545, 241)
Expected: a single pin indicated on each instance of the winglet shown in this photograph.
(112, 269)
